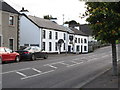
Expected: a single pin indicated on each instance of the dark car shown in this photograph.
(32, 53)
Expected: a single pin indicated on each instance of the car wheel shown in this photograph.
(46, 56)
(17, 59)
(0, 60)
(33, 57)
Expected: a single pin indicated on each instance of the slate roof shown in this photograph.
(6, 7)
(86, 29)
(78, 32)
(43, 23)
(69, 30)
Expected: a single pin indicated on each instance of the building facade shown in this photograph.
(9, 26)
(50, 36)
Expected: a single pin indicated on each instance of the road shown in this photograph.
(58, 71)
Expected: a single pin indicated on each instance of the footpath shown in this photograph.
(105, 81)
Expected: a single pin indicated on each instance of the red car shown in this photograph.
(8, 55)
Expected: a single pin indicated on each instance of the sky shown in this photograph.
(71, 9)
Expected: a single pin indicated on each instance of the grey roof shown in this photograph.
(78, 32)
(69, 30)
(43, 23)
(86, 29)
(6, 7)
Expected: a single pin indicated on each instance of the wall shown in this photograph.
(9, 32)
(53, 40)
(81, 44)
(29, 32)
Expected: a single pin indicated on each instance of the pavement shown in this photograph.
(105, 81)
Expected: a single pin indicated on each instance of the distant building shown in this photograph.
(9, 26)
(86, 29)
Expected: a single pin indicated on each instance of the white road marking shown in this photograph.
(37, 75)
(15, 71)
(74, 64)
(36, 70)
(64, 63)
(51, 66)
(21, 74)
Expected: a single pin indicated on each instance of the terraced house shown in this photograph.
(50, 36)
(8, 26)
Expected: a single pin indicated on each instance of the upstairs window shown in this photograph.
(11, 20)
(85, 41)
(56, 35)
(44, 34)
(50, 34)
(78, 40)
(75, 40)
(81, 40)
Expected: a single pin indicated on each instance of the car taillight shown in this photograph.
(26, 52)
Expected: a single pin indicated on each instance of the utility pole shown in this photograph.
(63, 19)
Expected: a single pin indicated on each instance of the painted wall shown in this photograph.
(29, 32)
(53, 40)
(81, 45)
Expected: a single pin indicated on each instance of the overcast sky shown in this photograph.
(70, 8)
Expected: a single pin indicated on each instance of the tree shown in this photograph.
(104, 19)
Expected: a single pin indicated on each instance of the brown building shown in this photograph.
(8, 26)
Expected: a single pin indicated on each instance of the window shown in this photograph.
(50, 46)
(81, 40)
(75, 40)
(34, 45)
(85, 48)
(78, 40)
(78, 48)
(0, 41)
(64, 46)
(44, 34)
(85, 41)
(44, 46)
(50, 34)
(2, 50)
(56, 44)
(8, 50)
(56, 35)
(64, 36)
(11, 20)
(26, 45)
(11, 44)
(70, 38)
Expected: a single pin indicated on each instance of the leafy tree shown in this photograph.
(104, 19)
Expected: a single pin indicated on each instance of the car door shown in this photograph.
(11, 55)
(5, 55)
(37, 52)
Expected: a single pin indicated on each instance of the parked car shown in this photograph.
(7, 54)
(32, 53)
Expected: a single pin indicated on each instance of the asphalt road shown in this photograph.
(58, 71)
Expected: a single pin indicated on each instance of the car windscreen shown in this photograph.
(2, 50)
(28, 48)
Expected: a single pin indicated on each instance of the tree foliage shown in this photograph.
(104, 19)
